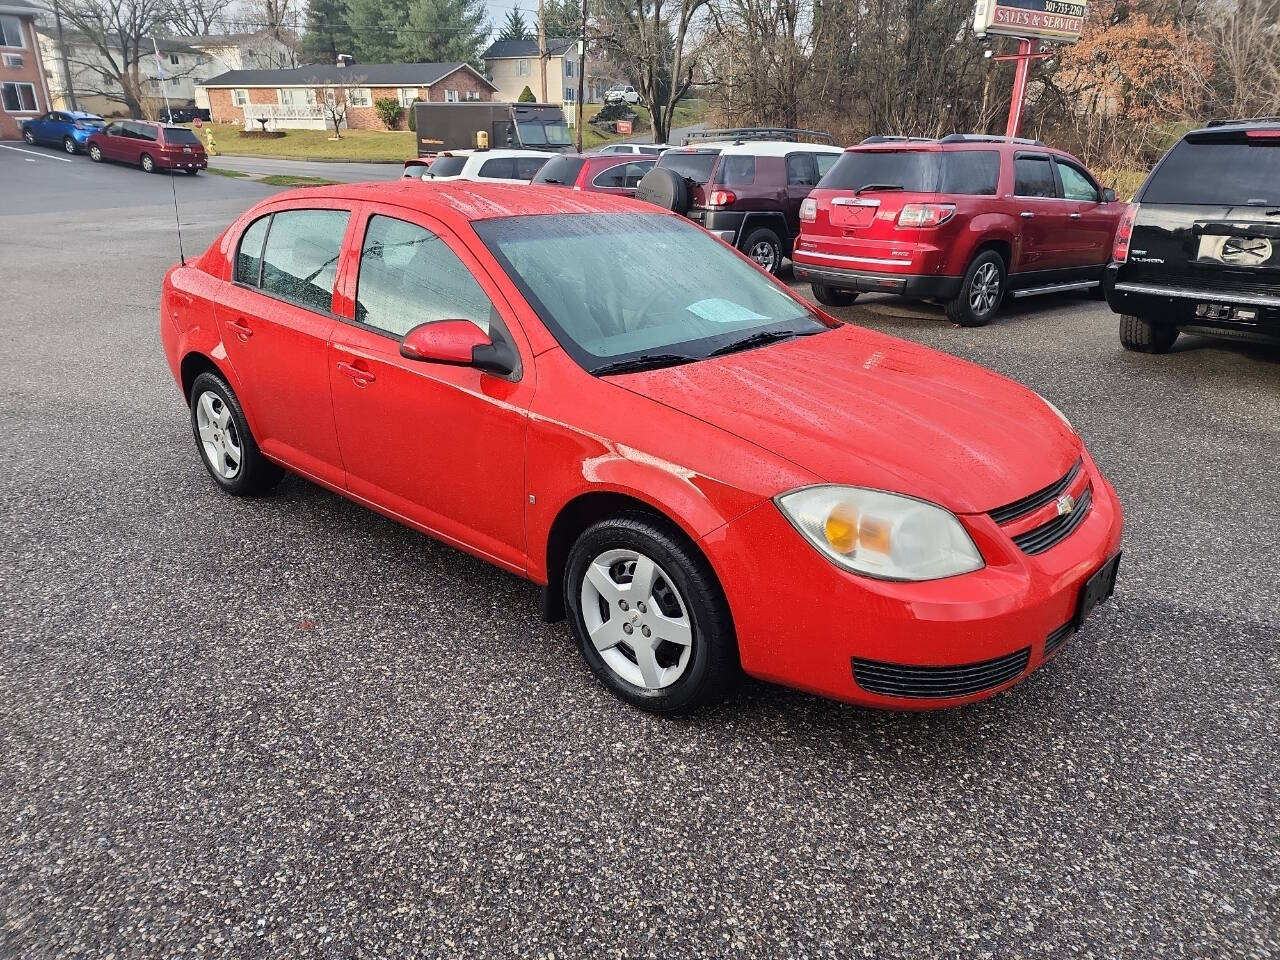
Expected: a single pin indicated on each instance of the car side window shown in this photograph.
(802, 171)
(736, 170)
(111, 130)
(974, 173)
(1033, 177)
(635, 172)
(825, 162)
(409, 276)
(502, 168)
(611, 177)
(248, 267)
(300, 259)
(1076, 184)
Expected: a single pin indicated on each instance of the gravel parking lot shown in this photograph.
(289, 727)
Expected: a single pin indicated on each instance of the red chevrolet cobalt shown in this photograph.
(707, 473)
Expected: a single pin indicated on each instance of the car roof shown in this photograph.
(464, 201)
(774, 148)
(503, 154)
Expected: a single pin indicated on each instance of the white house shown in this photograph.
(512, 65)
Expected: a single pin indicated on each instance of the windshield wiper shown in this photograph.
(879, 186)
(760, 339)
(646, 361)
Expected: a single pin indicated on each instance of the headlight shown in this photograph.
(1061, 416)
(881, 534)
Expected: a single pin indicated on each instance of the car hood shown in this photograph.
(858, 407)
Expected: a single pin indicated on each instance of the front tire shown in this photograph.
(763, 246)
(649, 616)
(1143, 336)
(95, 153)
(226, 445)
(68, 145)
(833, 296)
(147, 163)
(980, 292)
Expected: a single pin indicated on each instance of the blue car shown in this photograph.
(66, 128)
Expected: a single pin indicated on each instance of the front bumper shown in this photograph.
(803, 622)
(923, 286)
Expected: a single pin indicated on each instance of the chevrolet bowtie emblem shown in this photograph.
(1066, 504)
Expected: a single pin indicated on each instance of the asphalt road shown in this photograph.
(290, 728)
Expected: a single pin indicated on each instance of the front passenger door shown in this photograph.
(1092, 223)
(441, 446)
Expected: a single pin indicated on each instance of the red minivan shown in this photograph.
(151, 146)
(965, 221)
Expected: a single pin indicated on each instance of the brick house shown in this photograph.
(22, 88)
(291, 98)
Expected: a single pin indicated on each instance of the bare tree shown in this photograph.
(1244, 42)
(198, 18)
(335, 101)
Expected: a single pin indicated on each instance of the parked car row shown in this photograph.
(141, 143)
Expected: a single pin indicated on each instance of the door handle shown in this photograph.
(241, 329)
(1075, 216)
(360, 377)
(1027, 215)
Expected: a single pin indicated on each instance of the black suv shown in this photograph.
(745, 185)
(1199, 249)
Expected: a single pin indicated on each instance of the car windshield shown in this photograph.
(446, 167)
(691, 166)
(537, 133)
(1244, 174)
(608, 287)
(94, 122)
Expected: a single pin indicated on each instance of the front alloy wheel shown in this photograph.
(95, 153)
(148, 164)
(68, 145)
(28, 136)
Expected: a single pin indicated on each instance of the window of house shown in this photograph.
(300, 259)
(522, 67)
(568, 67)
(173, 59)
(570, 94)
(473, 95)
(239, 97)
(408, 96)
(12, 60)
(11, 32)
(451, 96)
(175, 82)
(359, 97)
(409, 276)
(18, 97)
(1033, 177)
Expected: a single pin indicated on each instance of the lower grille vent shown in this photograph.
(1058, 638)
(936, 683)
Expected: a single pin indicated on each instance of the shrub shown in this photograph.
(526, 96)
(413, 118)
(388, 109)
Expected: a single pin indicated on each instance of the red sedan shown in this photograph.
(596, 172)
(706, 473)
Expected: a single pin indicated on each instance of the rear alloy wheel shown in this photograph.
(980, 292)
(226, 446)
(649, 616)
(95, 153)
(148, 165)
(1143, 336)
(833, 296)
(764, 247)
(68, 145)
(28, 136)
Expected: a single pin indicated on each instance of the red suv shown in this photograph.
(595, 173)
(151, 146)
(965, 221)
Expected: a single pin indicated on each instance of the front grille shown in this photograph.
(1056, 530)
(1058, 637)
(937, 683)
(1034, 501)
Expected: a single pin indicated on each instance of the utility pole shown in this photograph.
(68, 89)
(582, 72)
(542, 47)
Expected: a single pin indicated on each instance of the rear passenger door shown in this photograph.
(1042, 216)
(275, 320)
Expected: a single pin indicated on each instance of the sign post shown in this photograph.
(1031, 21)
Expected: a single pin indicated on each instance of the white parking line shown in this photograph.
(47, 156)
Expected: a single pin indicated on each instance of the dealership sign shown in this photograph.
(1059, 20)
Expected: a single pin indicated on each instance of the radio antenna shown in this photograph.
(177, 220)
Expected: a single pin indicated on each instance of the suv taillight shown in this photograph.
(925, 214)
(1124, 233)
(809, 210)
(721, 198)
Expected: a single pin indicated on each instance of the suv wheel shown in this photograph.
(68, 145)
(1143, 336)
(833, 296)
(649, 616)
(980, 293)
(763, 246)
(95, 153)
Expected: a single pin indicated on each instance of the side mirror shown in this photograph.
(459, 343)
(1108, 195)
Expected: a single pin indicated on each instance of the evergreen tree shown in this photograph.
(328, 32)
(515, 27)
(444, 31)
(375, 26)
(563, 18)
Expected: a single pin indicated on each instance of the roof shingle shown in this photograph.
(359, 74)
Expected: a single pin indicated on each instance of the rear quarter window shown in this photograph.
(1243, 174)
(736, 170)
(973, 173)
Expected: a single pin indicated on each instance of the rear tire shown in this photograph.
(68, 145)
(95, 153)
(833, 296)
(1143, 336)
(226, 445)
(667, 649)
(147, 163)
(763, 246)
(980, 292)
